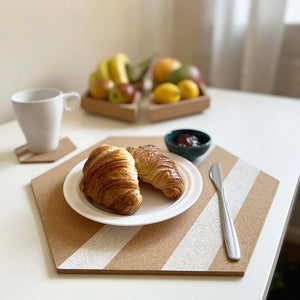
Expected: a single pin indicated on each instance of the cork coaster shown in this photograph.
(189, 244)
(26, 157)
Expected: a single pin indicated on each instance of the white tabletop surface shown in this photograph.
(263, 130)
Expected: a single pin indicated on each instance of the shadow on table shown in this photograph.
(285, 282)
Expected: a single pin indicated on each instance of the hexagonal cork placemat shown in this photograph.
(189, 244)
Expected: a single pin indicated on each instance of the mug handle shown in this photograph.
(77, 98)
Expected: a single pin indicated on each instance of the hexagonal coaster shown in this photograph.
(26, 157)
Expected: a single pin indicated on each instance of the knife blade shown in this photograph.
(231, 240)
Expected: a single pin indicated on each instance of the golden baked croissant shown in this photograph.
(156, 168)
(110, 178)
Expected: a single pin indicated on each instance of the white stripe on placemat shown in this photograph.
(200, 245)
(101, 248)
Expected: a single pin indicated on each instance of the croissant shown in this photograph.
(110, 179)
(156, 168)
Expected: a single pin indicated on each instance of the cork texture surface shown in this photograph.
(26, 157)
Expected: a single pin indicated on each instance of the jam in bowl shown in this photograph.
(188, 143)
(187, 140)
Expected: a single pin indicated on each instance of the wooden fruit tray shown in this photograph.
(162, 112)
(125, 112)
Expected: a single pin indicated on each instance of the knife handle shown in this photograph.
(231, 240)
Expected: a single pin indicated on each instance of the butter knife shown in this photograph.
(231, 240)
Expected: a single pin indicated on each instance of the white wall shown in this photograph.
(193, 33)
(58, 43)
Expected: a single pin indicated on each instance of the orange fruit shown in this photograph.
(163, 67)
(188, 89)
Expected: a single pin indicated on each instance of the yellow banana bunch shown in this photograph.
(117, 68)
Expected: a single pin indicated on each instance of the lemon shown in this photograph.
(188, 89)
(167, 93)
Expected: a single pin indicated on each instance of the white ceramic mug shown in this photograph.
(39, 112)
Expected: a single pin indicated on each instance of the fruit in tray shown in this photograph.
(137, 72)
(99, 89)
(167, 93)
(176, 81)
(188, 89)
(122, 93)
(185, 72)
(102, 71)
(117, 70)
(163, 67)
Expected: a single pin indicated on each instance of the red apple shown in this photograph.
(122, 93)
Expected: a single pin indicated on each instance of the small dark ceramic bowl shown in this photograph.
(190, 153)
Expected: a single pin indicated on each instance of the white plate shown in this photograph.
(155, 206)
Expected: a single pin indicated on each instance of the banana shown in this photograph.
(117, 68)
(93, 78)
(102, 71)
(111, 71)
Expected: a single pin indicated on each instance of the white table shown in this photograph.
(263, 130)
